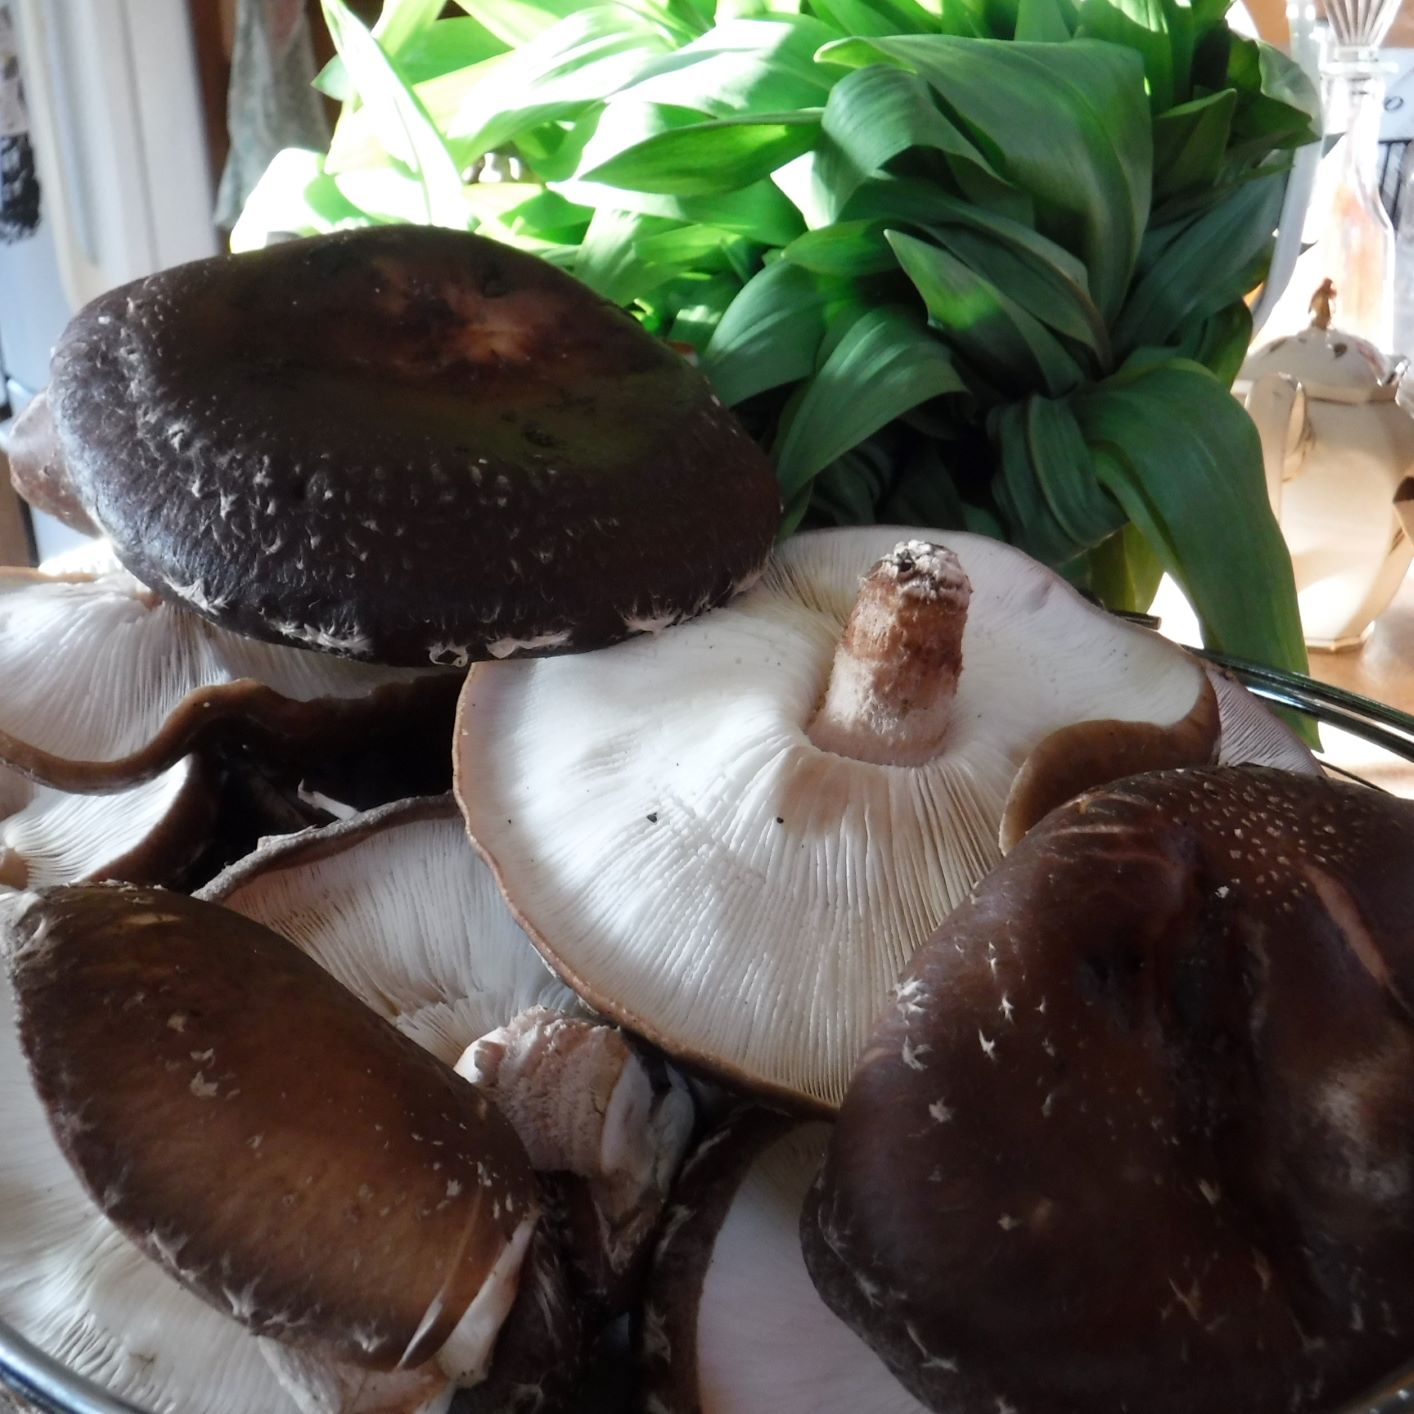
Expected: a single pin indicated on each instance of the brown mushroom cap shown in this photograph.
(106, 685)
(407, 445)
(253, 1127)
(1138, 1130)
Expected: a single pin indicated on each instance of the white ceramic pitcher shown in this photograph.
(1339, 456)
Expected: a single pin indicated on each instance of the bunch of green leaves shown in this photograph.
(961, 263)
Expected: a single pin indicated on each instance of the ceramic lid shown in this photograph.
(1328, 363)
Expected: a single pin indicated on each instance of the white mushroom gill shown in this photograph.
(53, 837)
(702, 870)
(95, 668)
(766, 1342)
(71, 1283)
(399, 908)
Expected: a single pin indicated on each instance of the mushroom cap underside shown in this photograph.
(697, 868)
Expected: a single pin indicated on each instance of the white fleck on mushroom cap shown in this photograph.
(63, 838)
(75, 1286)
(94, 669)
(401, 910)
(697, 868)
(766, 1342)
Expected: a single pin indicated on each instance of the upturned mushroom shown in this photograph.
(107, 685)
(732, 1323)
(258, 1132)
(405, 445)
(732, 838)
(1142, 1113)
(396, 905)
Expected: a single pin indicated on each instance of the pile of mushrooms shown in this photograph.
(375, 1110)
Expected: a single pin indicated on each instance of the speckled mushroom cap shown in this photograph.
(407, 445)
(282, 1151)
(732, 837)
(1138, 1129)
(76, 1287)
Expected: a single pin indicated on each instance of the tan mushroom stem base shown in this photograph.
(14, 872)
(891, 689)
(583, 1103)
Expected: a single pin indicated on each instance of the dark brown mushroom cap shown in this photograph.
(253, 1127)
(407, 445)
(1138, 1131)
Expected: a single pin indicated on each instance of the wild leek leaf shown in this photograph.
(1190, 142)
(1183, 459)
(397, 110)
(743, 66)
(1011, 349)
(772, 331)
(720, 155)
(1200, 265)
(1042, 22)
(877, 114)
(1141, 25)
(1055, 508)
(1068, 123)
(882, 366)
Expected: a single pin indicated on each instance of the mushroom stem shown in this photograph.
(895, 672)
(14, 872)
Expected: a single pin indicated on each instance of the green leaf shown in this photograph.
(1046, 280)
(400, 28)
(877, 114)
(1200, 265)
(743, 66)
(1068, 123)
(1190, 142)
(1180, 455)
(877, 17)
(1140, 25)
(699, 306)
(885, 364)
(1006, 344)
(295, 197)
(1055, 508)
(772, 331)
(1219, 342)
(1042, 22)
(575, 65)
(848, 249)
(519, 22)
(722, 154)
(758, 211)
(1124, 572)
(397, 111)
(610, 260)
